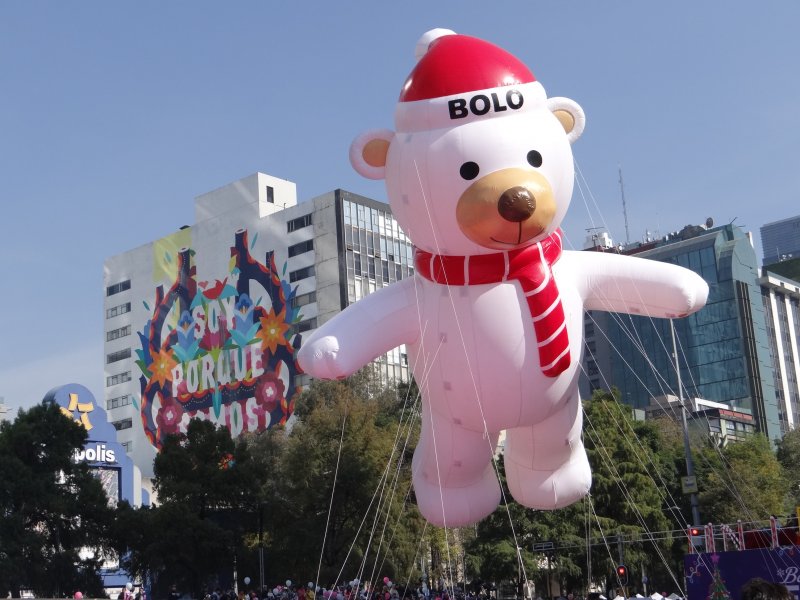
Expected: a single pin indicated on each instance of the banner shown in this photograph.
(722, 574)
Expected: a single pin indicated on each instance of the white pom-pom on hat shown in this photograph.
(427, 38)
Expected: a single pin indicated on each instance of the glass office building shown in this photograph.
(780, 240)
(723, 350)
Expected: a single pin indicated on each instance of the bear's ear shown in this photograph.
(368, 153)
(570, 115)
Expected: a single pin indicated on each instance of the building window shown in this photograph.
(124, 400)
(302, 247)
(123, 424)
(306, 325)
(304, 299)
(119, 378)
(118, 287)
(118, 333)
(270, 194)
(298, 223)
(301, 274)
(119, 355)
(118, 310)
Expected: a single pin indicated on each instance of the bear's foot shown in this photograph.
(457, 506)
(547, 489)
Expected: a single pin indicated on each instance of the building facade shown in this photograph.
(206, 322)
(780, 240)
(781, 298)
(723, 350)
(713, 420)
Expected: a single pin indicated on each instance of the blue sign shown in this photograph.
(106, 457)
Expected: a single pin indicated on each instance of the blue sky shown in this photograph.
(115, 115)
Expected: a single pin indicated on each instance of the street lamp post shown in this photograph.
(686, 447)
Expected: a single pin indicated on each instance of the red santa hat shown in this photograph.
(459, 78)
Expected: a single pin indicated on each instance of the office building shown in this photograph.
(206, 322)
(780, 240)
(781, 297)
(723, 350)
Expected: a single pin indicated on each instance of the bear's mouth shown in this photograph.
(514, 243)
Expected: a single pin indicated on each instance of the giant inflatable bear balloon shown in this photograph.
(479, 175)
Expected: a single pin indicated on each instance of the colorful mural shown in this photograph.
(222, 351)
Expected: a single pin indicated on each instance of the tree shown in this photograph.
(747, 481)
(51, 506)
(343, 484)
(207, 487)
(789, 458)
(627, 499)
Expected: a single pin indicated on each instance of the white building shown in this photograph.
(781, 298)
(206, 321)
(5, 411)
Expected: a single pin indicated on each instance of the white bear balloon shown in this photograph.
(479, 175)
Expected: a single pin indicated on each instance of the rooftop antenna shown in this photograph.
(624, 207)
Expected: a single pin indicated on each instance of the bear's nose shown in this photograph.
(516, 204)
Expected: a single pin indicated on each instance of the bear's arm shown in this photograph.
(639, 286)
(377, 323)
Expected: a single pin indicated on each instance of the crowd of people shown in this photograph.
(756, 589)
(352, 590)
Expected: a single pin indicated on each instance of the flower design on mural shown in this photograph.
(161, 366)
(169, 416)
(269, 392)
(273, 331)
(227, 462)
(243, 327)
(187, 347)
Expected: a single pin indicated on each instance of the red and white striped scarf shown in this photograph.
(531, 267)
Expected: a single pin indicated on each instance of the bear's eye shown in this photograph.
(534, 159)
(469, 170)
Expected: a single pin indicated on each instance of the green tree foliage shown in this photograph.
(343, 486)
(630, 474)
(50, 506)
(208, 493)
(789, 458)
(747, 483)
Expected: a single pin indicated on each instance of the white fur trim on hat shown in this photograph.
(448, 111)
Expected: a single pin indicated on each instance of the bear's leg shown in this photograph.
(546, 464)
(454, 479)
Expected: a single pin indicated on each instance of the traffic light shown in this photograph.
(697, 537)
(622, 574)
